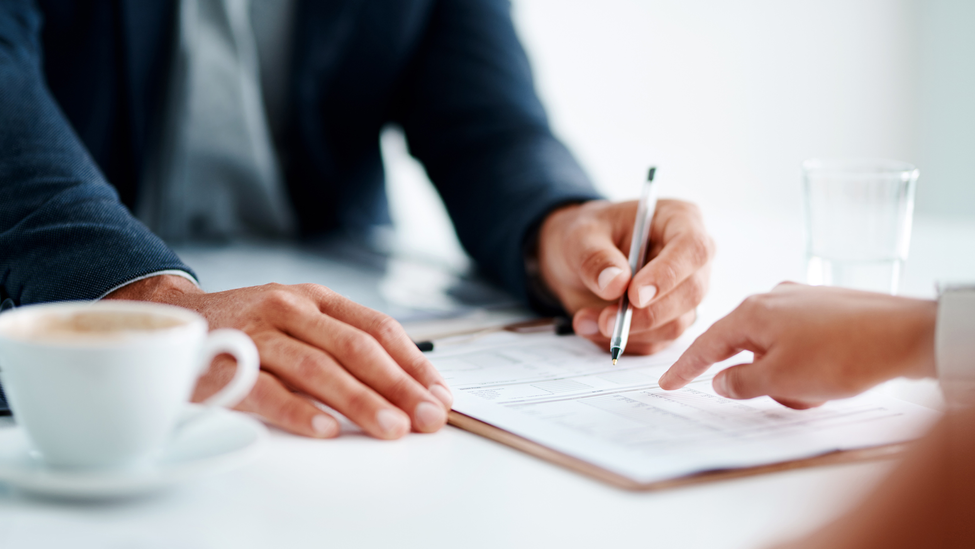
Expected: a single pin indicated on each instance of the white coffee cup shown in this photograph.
(101, 385)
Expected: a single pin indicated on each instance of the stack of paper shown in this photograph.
(565, 394)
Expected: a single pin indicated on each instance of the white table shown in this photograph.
(454, 489)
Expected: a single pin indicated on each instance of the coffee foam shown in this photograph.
(86, 325)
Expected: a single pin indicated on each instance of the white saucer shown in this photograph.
(212, 440)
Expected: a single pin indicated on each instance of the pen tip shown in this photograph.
(614, 362)
(653, 171)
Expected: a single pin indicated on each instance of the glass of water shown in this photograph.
(858, 221)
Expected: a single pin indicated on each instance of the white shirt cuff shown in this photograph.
(955, 344)
(176, 272)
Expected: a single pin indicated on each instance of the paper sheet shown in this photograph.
(565, 393)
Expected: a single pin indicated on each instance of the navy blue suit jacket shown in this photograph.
(81, 86)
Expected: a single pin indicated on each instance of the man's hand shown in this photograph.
(581, 260)
(813, 344)
(315, 344)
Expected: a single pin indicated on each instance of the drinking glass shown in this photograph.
(858, 221)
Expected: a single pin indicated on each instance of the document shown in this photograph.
(564, 393)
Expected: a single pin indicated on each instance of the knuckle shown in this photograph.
(261, 390)
(261, 394)
(699, 247)
(263, 340)
(280, 299)
(219, 374)
(785, 285)
(291, 411)
(755, 304)
(421, 369)
(316, 290)
(400, 388)
(666, 277)
(358, 402)
(307, 368)
(387, 329)
(690, 208)
(353, 343)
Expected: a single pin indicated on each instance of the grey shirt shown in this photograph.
(214, 174)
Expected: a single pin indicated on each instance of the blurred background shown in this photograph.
(728, 98)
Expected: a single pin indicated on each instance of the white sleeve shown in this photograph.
(955, 344)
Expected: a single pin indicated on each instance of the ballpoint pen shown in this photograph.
(638, 254)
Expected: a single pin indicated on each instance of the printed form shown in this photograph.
(563, 392)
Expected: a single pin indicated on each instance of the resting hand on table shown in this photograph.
(582, 254)
(315, 344)
(813, 344)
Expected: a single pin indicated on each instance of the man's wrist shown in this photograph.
(541, 298)
(164, 288)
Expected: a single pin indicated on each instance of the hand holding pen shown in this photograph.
(582, 261)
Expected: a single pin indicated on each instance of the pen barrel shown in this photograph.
(640, 240)
(622, 329)
(639, 243)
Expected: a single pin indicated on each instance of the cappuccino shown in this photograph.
(95, 324)
(101, 385)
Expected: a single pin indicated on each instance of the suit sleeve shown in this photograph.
(64, 234)
(472, 117)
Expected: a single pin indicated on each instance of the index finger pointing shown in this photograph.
(726, 338)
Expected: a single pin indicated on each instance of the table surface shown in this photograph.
(454, 489)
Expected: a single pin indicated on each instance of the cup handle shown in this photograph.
(238, 344)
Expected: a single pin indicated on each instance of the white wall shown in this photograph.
(947, 107)
(728, 97)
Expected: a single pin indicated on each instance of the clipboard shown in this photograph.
(839, 457)
(875, 452)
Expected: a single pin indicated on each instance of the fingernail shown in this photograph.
(607, 276)
(720, 386)
(442, 393)
(646, 293)
(391, 423)
(587, 327)
(323, 425)
(610, 326)
(429, 416)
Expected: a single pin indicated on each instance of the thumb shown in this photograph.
(602, 267)
(741, 382)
